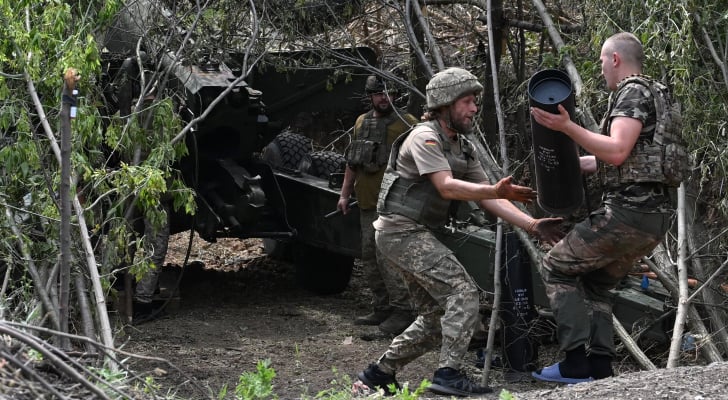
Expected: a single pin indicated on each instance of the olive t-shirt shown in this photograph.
(366, 184)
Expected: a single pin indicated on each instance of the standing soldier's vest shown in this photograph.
(369, 152)
(418, 198)
(664, 159)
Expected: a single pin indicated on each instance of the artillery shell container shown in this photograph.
(556, 156)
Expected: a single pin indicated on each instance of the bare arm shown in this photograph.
(347, 188)
(612, 149)
(547, 230)
(508, 212)
(457, 189)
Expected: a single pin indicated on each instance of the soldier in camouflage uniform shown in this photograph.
(581, 269)
(429, 166)
(367, 157)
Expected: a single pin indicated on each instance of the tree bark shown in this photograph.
(68, 107)
(101, 311)
(682, 281)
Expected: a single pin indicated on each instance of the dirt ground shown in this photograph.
(237, 306)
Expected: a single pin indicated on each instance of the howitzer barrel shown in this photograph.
(556, 157)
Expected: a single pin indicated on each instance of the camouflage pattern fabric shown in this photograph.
(156, 247)
(448, 85)
(444, 294)
(388, 289)
(580, 270)
(635, 101)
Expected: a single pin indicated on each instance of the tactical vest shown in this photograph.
(369, 152)
(664, 159)
(418, 198)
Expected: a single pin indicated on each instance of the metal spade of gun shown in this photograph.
(337, 211)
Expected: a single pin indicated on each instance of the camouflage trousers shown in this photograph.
(443, 293)
(155, 246)
(388, 289)
(580, 270)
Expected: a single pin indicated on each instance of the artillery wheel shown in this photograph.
(289, 150)
(325, 163)
(322, 271)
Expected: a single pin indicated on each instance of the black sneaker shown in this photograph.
(374, 378)
(449, 381)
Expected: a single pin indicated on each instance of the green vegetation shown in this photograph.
(118, 165)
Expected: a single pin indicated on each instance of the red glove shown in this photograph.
(547, 230)
(504, 189)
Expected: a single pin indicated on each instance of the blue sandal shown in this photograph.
(553, 374)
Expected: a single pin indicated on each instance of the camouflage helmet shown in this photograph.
(374, 85)
(449, 85)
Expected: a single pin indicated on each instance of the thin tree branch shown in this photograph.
(708, 42)
(682, 280)
(436, 54)
(498, 264)
(632, 346)
(39, 287)
(102, 313)
(587, 118)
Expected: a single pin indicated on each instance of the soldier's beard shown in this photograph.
(383, 110)
(462, 126)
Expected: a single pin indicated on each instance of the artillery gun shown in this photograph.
(254, 179)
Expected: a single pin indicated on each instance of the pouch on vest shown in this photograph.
(366, 155)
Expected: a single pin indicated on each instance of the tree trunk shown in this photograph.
(68, 109)
(488, 116)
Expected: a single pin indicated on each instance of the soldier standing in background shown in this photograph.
(367, 157)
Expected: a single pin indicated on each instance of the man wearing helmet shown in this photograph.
(429, 167)
(367, 157)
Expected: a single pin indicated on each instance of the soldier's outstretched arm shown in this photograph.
(457, 189)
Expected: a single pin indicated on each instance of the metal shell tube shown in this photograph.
(556, 156)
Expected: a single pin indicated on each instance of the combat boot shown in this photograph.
(397, 322)
(451, 382)
(377, 379)
(373, 318)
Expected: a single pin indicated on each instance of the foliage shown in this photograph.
(256, 385)
(35, 51)
(677, 52)
(119, 166)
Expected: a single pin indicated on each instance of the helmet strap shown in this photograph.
(448, 121)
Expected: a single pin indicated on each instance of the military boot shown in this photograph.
(375, 317)
(451, 382)
(397, 322)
